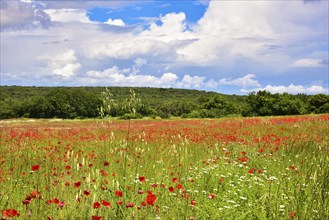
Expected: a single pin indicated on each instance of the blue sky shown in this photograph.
(231, 47)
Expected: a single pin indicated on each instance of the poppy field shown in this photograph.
(230, 168)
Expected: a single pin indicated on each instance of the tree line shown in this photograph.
(127, 103)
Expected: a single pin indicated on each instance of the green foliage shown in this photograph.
(89, 102)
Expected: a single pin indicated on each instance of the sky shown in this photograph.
(230, 47)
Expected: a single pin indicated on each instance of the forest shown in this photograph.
(133, 103)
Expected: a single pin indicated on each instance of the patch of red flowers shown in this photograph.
(9, 213)
(151, 198)
(118, 193)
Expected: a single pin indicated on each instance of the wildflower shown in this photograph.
(96, 205)
(151, 198)
(48, 202)
(142, 179)
(193, 202)
(291, 167)
(144, 203)
(140, 192)
(67, 167)
(171, 189)
(118, 193)
(130, 205)
(106, 163)
(292, 214)
(119, 202)
(77, 184)
(211, 196)
(55, 200)
(35, 168)
(106, 203)
(175, 180)
(94, 217)
(61, 204)
(251, 171)
(179, 186)
(8, 213)
(86, 193)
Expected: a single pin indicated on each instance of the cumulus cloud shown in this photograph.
(63, 65)
(292, 89)
(115, 22)
(246, 81)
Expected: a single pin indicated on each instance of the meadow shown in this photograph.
(229, 168)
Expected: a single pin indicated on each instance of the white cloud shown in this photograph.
(292, 89)
(64, 64)
(308, 63)
(191, 81)
(246, 81)
(140, 62)
(115, 22)
(68, 15)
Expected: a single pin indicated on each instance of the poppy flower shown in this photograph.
(211, 196)
(291, 167)
(35, 168)
(171, 189)
(106, 203)
(96, 205)
(67, 167)
(140, 192)
(94, 217)
(60, 204)
(142, 179)
(193, 202)
(292, 215)
(8, 213)
(26, 201)
(118, 193)
(150, 199)
(119, 202)
(55, 200)
(179, 186)
(86, 193)
(251, 171)
(175, 180)
(77, 184)
(144, 203)
(130, 205)
(48, 202)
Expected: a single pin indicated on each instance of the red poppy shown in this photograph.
(8, 213)
(251, 171)
(291, 167)
(49, 202)
(55, 200)
(151, 198)
(77, 184)
(27, 201)
(96, 205)
(154, 185)
(144, 203)
(142, 179)
(193, 202)
(292, 214)
(179, 186)
(106, 163)
(35, 168)
(171, 189)
(211, 196)
(130, 205)
(67, 184)
(119, 202)
(67, 167)
(243, 153)
(259, 171)
(94, 217)
(175, 180)
(61, 204)
(106, 203)
(140, 192)
(118, 193)
(86, 193)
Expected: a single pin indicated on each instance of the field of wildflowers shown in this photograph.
(238, 168)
